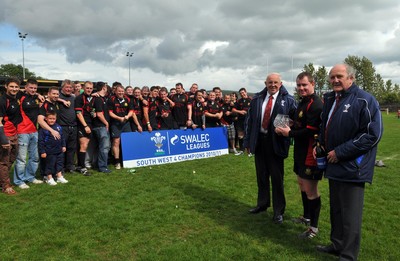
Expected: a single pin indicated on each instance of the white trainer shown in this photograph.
(62, 180)
(118, 166)
(51, 182)
(37, 181)
(238, 153)
(23, 186)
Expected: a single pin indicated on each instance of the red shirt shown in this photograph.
(29, 112)
(10, 111)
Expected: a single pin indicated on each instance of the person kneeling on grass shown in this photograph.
(52, 150)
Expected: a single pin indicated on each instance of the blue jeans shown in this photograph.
(23, 171)
(103, 140)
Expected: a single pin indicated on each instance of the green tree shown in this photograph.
(366, 77)
(321, 80)
(379, 87)
(396, 91)
(10, 69)
(391, 93)
(396, 88)
(388, 86)
(371, 81)
(320, 77)
(309, 68)
(366, 74)
(389, 98)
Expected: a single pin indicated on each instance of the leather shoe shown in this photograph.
(257, 210)
(278, 219)
(328, 250)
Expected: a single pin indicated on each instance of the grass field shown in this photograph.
(169, 212)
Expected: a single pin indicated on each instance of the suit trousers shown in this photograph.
(71, 140)
(269, 165)
(346, 207)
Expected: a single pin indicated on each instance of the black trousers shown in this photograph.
(71, 139)
(54, 164)
(346, 207)
(269, 165)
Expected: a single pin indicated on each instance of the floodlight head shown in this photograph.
(21, 35)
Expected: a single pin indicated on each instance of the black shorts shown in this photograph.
(212, 125)
(134, 127)
(307, 172)
(82, 133)
(239, 125)
(118, 127)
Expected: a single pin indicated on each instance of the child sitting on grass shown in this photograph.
(52, 150)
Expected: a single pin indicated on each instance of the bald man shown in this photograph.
(269, 148)
(350, 131)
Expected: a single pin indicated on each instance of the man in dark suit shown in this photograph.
(269, 148)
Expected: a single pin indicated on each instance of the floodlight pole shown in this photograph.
(23, 36)
(129, 55)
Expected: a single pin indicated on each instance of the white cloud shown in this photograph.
(225, 43)
(212, 46)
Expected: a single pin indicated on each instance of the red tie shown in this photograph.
(267, 113)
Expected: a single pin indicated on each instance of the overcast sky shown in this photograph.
(227, 43)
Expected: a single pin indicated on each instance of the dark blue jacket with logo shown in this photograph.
(48, 144)
(284, 104)
(353, 132)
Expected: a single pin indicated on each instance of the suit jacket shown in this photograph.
(284, 104)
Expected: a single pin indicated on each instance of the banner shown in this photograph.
(169, 146)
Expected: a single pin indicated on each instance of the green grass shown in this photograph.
(170, 213)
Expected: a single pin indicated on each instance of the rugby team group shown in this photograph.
(84, 123)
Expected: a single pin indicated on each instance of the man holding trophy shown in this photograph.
(269, 148)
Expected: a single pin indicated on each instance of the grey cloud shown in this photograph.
(174, 46)
(166, 36)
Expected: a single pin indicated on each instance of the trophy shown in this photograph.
(282, 121)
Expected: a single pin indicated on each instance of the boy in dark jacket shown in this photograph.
(52, 150)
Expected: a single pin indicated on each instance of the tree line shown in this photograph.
(14, 70)
(386, 92)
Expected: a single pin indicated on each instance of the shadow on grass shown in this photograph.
(228, 211)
